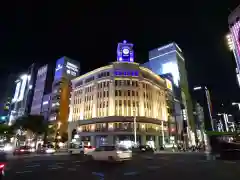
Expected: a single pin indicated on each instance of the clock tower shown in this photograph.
(125, 52)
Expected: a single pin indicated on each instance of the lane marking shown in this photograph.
(203, 161)
(59, 163)
(130, 173)
(229, 162)
(53, 168)
(31, 166)
(78, 161)
(21, 172)
(71, 169)
(98, 174)
(154, 167)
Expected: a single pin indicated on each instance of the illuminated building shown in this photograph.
(7, 90)
(66, 69)
(169, 59)
(43, 86)
(105, 102)
(175, 119)
(22, 98)
(234, 38)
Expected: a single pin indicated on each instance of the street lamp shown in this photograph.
(163, 138)
(238, 104)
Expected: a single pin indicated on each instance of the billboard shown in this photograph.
(17, 90)
(39, 90)
(235, 34)
(66, 67)
(24, 80)
(169, 84)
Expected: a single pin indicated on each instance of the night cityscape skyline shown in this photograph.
(204, 48)
(150, 88)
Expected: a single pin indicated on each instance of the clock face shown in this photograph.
(125, 51)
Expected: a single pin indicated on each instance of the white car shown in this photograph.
(110, 153)
(81, 149)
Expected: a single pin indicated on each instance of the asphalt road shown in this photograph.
(154, 167)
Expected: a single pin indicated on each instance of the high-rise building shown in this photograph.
(169, 59)
(119, 102)
(66, 69)
(174, 106)
(234, 37)
(7, 90)
(43, 86)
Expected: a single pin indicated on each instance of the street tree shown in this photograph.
(6, 131)
(31, 123)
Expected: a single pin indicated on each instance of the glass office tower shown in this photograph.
(169, 59)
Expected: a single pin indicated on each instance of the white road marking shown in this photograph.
(21, 172)
(31, 166)
(130, 173)
(77, 161)
(71, 169)
(163, 158)
(229, 162)
(53, 168)
(148, 157)
(154, 167)
(203, 161)
(98, 174)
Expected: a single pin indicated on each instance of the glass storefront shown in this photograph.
(122, 127)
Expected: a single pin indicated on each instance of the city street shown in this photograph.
(171, 166)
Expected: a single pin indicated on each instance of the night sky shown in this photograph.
(90, 32)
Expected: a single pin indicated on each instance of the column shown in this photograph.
(95, 93)
(143, 139)
(157, 143)
(110, 140)
(93, 141)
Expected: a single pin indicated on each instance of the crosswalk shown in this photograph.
(30, 167)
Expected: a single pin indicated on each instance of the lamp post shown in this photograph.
(163, 138)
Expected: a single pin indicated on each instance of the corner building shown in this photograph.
(105, 102)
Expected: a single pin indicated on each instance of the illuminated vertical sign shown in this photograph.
(17, 90)
(59, 68)
(125, 52)
(23, 87)
(169, 84)
(235, 31)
